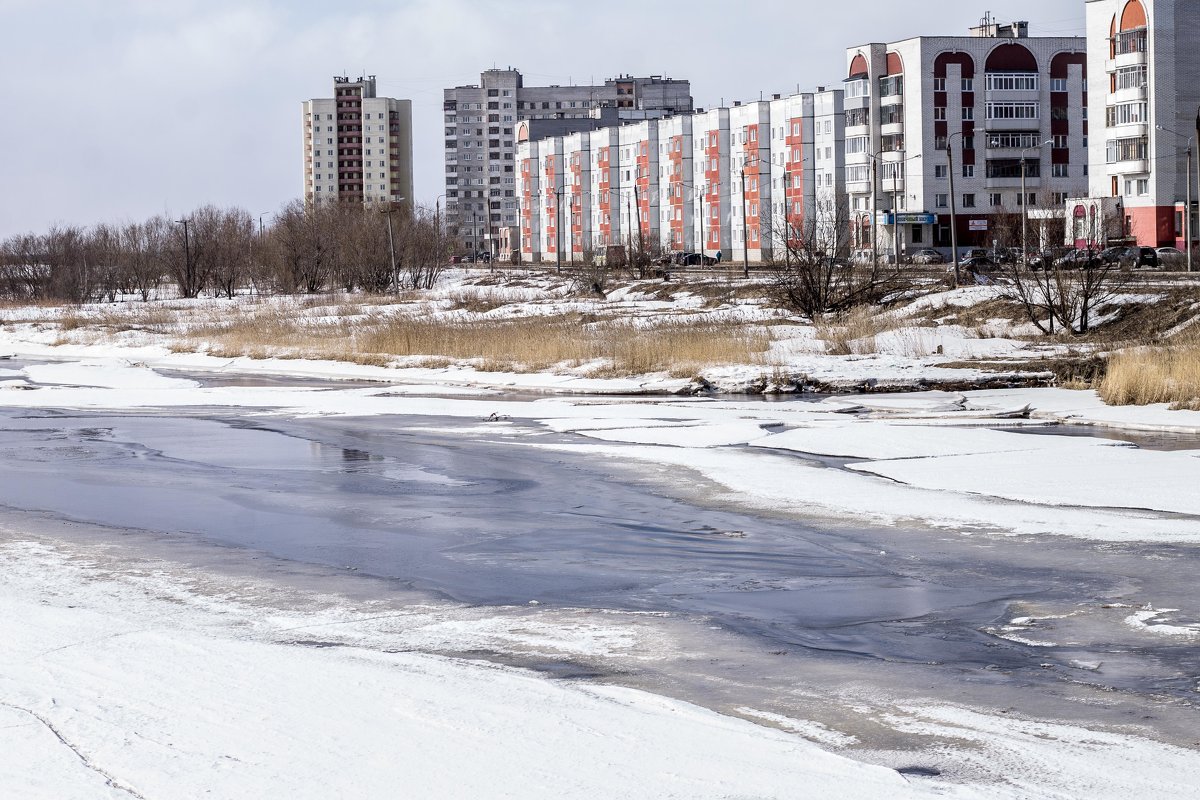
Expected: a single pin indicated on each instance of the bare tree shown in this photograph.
(812, 275)
(1063, 296)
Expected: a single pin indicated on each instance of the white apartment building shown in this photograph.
(728, 180)
(997, 98)
(480, 138)
(1143, 56)
(357, 145)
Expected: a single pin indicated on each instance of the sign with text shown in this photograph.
(978, 225)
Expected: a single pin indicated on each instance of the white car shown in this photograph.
(1171, 257)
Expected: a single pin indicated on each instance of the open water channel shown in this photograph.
(780, 612)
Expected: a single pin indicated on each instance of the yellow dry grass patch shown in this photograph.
(1154, 375)
(520, 345)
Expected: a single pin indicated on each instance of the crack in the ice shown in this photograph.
(87, 762)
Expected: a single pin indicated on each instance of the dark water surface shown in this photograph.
(484, 520)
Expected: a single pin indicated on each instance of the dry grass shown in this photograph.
(853, 332)
(1154, 375)
(521, 345)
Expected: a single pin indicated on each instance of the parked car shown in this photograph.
(698, 260)
(1171, 257)
(1139, 257)
(1078, 259)
(983, 269)
(1047, 258)
(928, 257)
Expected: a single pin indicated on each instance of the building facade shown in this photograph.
(357, 145)
(480, 139)
(730, 180)
(990, 102)
(1144, 104)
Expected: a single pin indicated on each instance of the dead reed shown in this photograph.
(1148, 375)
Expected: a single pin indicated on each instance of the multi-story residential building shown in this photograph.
(1142, 54)
(728, 180)
(480, 125)
(992, 101)
(357, 145)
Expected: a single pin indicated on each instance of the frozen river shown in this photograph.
(762, 603)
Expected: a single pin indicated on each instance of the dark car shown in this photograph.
(698, 260)
(983, 269)
(1136, 257)
(1078, 259)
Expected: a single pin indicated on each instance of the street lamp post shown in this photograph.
(1187, 209)
(746, 221)
(1025, 201)
(875, 158)
(953, 207)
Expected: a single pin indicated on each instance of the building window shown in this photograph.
(996, 199)
(1131, 149)
(940, 171)
(1128, 114)
(860, 87)
(968, 113)
(1130, 78)
(968, 201)
(1060, 171)
(1012, 82)
(1058, 84)
(939, 84)
(941, 201)
(891, 85)
(1013, 111)
(968, 84)
(968, 170)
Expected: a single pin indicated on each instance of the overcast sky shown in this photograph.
(119, 109)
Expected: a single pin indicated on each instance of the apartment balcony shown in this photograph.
(1011, 124)
(1132, 59)
(1128, 130)
(1032, 182)
(892, 128)
(1129, 95)
(1137, 166)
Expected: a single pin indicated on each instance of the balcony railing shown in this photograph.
(1129, 42)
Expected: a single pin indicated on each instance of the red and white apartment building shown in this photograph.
(1144, 103)
(1011, 114)
(987, 102)
(726, 180)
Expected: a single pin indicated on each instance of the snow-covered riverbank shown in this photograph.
(142, 680)
(132, 681)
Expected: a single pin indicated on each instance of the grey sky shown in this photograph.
(118, 109)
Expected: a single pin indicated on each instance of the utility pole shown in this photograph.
(787, 221)
(1197, 184)
(1187, 214)
(745, 229)
(475, 235)
(875, 213)
(953, 207)
(187, 252)
(558, 195)
(637, 207)
(392, 247)
(1025, 200)
(703, 241)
